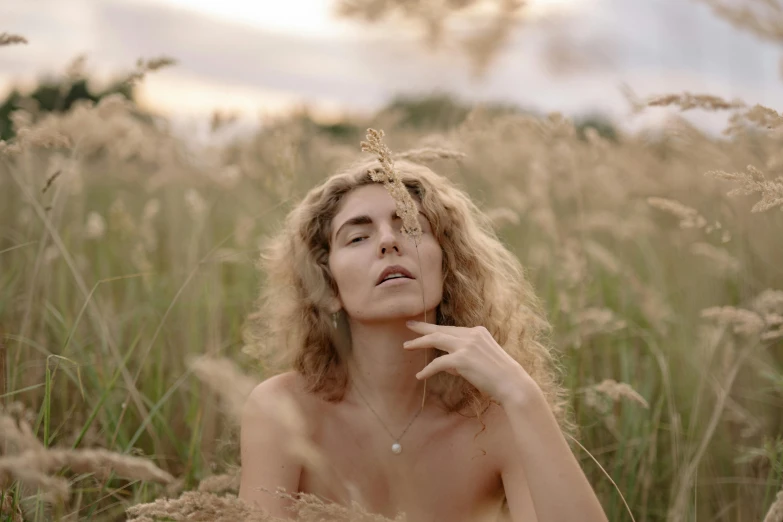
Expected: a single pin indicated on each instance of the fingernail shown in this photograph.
(411, 322)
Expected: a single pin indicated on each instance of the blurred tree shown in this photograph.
(54, 95)
(430, 112)
(433, 111)
(491, 22)
(440, 111)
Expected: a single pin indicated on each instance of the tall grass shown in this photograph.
(124, 255)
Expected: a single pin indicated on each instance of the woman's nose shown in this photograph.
(389, 240)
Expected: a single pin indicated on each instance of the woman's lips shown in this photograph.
(396, 281)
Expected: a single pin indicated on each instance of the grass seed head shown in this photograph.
(11, 39)
(406, 207)
(775, 513)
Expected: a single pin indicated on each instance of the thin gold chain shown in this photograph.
(396, 439)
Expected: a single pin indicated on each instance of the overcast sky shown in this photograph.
(239, 55)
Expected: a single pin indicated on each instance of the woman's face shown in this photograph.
(366, 238)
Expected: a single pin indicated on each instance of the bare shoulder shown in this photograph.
(278, 393)
(283, 383)
(498, 431)
(271, 418)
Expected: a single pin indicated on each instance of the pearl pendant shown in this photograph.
(396, 448)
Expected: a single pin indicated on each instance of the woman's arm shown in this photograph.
(537, 452)
(540, 463)
(265, 439)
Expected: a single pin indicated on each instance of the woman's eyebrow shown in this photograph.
(364, 219)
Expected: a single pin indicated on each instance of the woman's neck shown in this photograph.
(384, 373)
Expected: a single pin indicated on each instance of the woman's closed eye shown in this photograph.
(354, 239)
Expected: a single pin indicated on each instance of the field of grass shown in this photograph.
(125, 255)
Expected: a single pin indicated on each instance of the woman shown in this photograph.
(482, 439)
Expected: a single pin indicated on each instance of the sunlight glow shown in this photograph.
(553, 7)
(315, 18)
(303, 17)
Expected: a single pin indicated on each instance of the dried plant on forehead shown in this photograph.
(483, 284)
(406, 207)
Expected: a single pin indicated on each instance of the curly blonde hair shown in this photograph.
(483, 284)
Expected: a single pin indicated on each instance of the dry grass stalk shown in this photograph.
(77, 69)
(9, 509)
(501, 216)
(615, 391)
(11, 39)
(406, 207)
(757, 117)
(426, 154)
(33, 465)
(687, 101)
(769, 301)
(764, 117)
(225, 378)
(487, 36)
(220, 483)
(689, 217)
(99, 462)
(752, 182)
(15, 469)
(15, 430)
(95, 228)
(198, 506)
(593, 321)
(43, 135)
(742, 321)
(484, 46)
(764, 21)
(146, 66)
(771, 335)
(719, 258)
(210, 507)
(775, 513)
(221, 119)
(310, 508)
(682, 486)
(8, 149)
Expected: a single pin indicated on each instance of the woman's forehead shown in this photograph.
(368, 199)
(368, 203)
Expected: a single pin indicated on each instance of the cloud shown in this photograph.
(240, 54)
(655, 46)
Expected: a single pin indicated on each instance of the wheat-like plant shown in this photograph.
(406, 208)
(34, 465)
(122, 256)
(11, 39)
(775, 513)
(751, 182)
(687, 101)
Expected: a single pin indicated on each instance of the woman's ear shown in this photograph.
(334, 305)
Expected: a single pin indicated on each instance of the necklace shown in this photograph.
(396, 447)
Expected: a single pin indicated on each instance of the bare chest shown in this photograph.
(446, 470)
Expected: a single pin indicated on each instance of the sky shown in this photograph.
(265, 57)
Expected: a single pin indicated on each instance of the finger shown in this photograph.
(439, 340)
(444, 363)
(425, 328)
